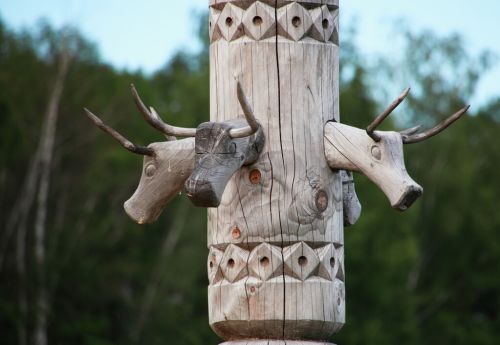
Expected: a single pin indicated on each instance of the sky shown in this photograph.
(143, 34)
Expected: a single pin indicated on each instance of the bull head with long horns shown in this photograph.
(379, 154)
(167, 165)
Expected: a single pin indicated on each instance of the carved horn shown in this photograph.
(370, 130)
(154, 119)
(253, 125)
(140, 150)
(412, 139)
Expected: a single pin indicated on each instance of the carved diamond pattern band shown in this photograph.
(267, 261)
(257, 22)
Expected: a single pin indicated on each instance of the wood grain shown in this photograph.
(382, 162)
(163, 177)
(267, 238)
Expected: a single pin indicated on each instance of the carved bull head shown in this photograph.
(221, 149)
(166, 166)
(379, 154)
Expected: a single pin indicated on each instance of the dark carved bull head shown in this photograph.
(221, 149)
(379, 154)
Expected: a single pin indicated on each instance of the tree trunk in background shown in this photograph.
(159, 272)
(19, 217)
(47, 140)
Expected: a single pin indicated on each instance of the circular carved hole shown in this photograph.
(325, 23)
(302, 261)
(211, 264)
(253, 289)
(264, 261)
(255, 176)
(332, 262)
(236, 233)
(296, 21)
(321, 201)
(229, 21)
(230, 263)
(339, 301)
(257, 20)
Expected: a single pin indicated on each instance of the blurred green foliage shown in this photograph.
(428, 276)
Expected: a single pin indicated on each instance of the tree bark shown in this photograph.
(47, 141)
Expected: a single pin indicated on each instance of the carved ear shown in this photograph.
(352, 206)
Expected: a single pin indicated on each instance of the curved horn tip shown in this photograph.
(92, 116)
(405, 93)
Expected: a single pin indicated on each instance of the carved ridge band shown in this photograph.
(266, 261)
(296, 22)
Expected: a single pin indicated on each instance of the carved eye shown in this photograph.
(376, 153)
(150, 170)
(233, 148)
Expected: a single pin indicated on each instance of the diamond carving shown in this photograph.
(213, 27)
(265, 262)
(234, 263)
(232, 19)
(301, 261)
(340, 260)
(229, 22)
(259, 22)
(323, 24)
(329, 263)
(213, 265)
(294, 21)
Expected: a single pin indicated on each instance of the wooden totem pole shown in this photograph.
(273, 167)
(276, 241)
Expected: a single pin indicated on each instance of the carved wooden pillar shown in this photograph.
(276, 260)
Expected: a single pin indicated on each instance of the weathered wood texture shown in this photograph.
(382, 162)
(274, 342)
(163, 177)
(352, 206)
(276, 241)
(218, 157)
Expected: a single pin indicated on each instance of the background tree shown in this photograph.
(428, 276)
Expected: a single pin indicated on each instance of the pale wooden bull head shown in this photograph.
(379, 154)
(166, 166)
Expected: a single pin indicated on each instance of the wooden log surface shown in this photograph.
(276, 241)
(274, 342)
